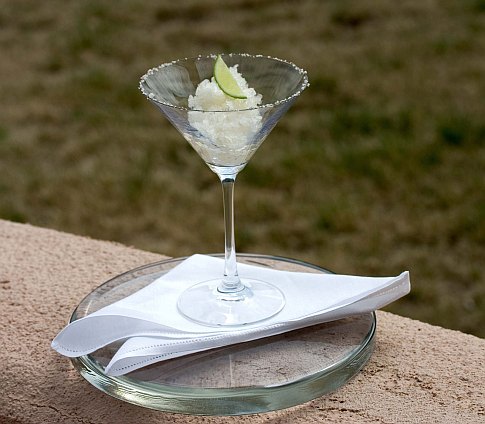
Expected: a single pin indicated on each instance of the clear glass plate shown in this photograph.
(258, 376)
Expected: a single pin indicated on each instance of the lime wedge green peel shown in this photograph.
(226, 81)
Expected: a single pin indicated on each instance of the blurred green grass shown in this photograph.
(379, 166)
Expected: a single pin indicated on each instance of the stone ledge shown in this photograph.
(418, 374)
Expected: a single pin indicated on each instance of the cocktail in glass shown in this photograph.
(226, 139)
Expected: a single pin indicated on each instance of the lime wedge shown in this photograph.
(226, 81)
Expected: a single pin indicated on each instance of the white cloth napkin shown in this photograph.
(154, 330)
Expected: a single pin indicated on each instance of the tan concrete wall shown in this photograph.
(418, 374)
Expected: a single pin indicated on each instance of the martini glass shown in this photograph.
(226, 140)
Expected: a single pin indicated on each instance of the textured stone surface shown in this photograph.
(418, 374)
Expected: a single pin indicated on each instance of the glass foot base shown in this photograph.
(206, 305)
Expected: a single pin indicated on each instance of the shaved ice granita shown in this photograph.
(226, 139)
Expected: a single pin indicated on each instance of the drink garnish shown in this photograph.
(226, 82)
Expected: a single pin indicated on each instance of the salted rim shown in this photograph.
(151, 96)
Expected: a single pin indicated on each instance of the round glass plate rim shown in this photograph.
(151, 96)
(92, 372)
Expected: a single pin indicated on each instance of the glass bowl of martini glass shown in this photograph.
(225, 123)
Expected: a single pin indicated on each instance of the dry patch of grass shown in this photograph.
(377, 168)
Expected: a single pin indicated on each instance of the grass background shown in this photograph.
(378, 167)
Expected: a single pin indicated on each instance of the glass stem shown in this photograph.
(231, 282)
